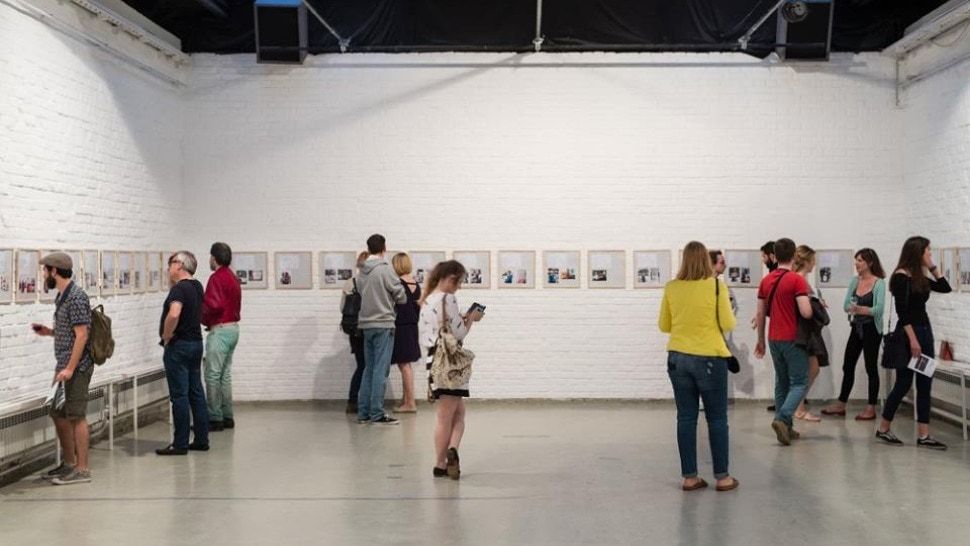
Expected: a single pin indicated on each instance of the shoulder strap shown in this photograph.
(354, 281)
(771, 296)
(717, 304)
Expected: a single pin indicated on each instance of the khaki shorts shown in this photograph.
(75, 396)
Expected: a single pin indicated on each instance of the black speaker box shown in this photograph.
(281, 31)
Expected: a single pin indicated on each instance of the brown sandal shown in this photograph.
(699, 484)
(731, 486)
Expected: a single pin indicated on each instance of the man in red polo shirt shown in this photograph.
(220, 315)
(783, 295)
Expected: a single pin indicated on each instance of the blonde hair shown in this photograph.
(361, 258)
(804, 255)
(696, 263)
(402, 264)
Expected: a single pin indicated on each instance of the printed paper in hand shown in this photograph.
(56, 397)
(925, 365)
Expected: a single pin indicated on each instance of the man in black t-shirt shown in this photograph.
(181, 331)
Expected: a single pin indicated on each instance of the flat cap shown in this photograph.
(57, 260)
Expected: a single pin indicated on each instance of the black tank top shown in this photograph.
(407, 313)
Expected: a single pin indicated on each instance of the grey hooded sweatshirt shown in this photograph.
(380, 288)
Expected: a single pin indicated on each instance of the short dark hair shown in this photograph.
(714, 254)
(62, 273)
(222, 253)
(376, 244)
(768, 248)
(784, 250)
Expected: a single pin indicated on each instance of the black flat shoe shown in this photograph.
(198, 447)
(171, 450)
(216, 426)
(229, 422)
(453, 468)
(440, 472)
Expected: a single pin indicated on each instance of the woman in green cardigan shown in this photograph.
(865, 302)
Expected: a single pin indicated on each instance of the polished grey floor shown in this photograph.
(533, 473)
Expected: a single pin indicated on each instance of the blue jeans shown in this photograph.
(904, 379)
(791, 378)
(183, 369)
(378, 344)
(704, 377)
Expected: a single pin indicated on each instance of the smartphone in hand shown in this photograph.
(476, 307)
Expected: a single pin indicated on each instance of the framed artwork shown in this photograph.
(834, 268)
(153, 261)
(28, 263)
(108, 273)
(251, 269)
(651, 268)
(336, 268)
(294, 270)
(423, 262)
(516, 269)
(478, 267)
(963, 268)
(744, 268)
(949, 267)
(124, 264)
(607, 268)
(47, 295)
(90, 270)
(561, 268)
(139, 265)
(7, 282)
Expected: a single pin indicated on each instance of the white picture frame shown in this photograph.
(124, 264)
(478, 267)
(950, 266)
(651, 268)
(90, 272)
(109, 275)
(139, 268)
(963, 267)
(27, 267)
(743, 268)
(251, 269)
(45, 295)
(293, 270)
(560, 268)
(154, 271)
(606, 268)
(335, 268)
(516, 269)
(8, 280)
(834, 268)
(422, 262)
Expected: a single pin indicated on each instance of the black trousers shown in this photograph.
(904, 380)
(863, 340)
(357, 348)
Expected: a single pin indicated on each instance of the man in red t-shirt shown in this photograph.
(783, 295)
(220, 315)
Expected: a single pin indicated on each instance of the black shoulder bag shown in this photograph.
(733, 365)
(895, 345)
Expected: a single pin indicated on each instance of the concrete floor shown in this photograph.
(549, 473)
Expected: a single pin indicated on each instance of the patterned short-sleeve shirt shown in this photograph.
(72, 308)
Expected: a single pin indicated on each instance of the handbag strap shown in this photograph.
(717, 305)
(771, 296)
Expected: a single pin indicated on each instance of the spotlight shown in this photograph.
(794, 12)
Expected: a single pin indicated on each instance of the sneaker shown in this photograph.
(363, 421)
(453, 468)
(931, 443)
(771, 408)
(76, 476)
(59, 472)
(794, 434)
(782, 432)
(171, 450)
(216, 426)
(198, 447)
(439, 472)
(385, 420)
(229, 422)
(889, 438)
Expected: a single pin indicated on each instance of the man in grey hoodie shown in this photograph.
(380, 289)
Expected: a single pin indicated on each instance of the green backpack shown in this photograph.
(100, 343)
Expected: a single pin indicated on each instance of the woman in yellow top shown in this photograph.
(695, 311)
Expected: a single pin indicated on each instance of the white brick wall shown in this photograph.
(89, 158)
(503, 152)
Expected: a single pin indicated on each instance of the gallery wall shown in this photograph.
(89, 159)
(551, 152)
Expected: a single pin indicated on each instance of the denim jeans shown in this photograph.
(378, 344)
(183, 369)
(791, 378)
(703, 377)
(357, 348)
(219, 347)
(904, 379)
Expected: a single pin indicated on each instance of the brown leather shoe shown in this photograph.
(729, 487)
(699, 484)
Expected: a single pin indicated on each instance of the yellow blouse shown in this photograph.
(687, 313)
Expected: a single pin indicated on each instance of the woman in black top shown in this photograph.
(406, 348)
(911, 290)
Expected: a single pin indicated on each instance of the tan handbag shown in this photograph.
(451, 364)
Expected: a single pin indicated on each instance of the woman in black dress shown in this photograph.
(406, 349)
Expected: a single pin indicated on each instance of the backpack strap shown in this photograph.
(771, 296)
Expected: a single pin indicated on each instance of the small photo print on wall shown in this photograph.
(516, 269)
(744, 268)
(138, 267)
(28, 263)
(607, 269)
(478, 271)
(651, 268)
(154, 271)
(561, 268)
(6, 275)
(294, 270)
(963, 268)
(250, 269)
(422, 262)
(834, 268)
(91, 273)
(107, 273)
(336, 268)
(124, 272)
(948, 267)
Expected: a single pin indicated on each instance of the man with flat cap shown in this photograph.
(74, 367)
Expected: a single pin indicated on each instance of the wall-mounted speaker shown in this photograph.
(281, 31)
(804, 30)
